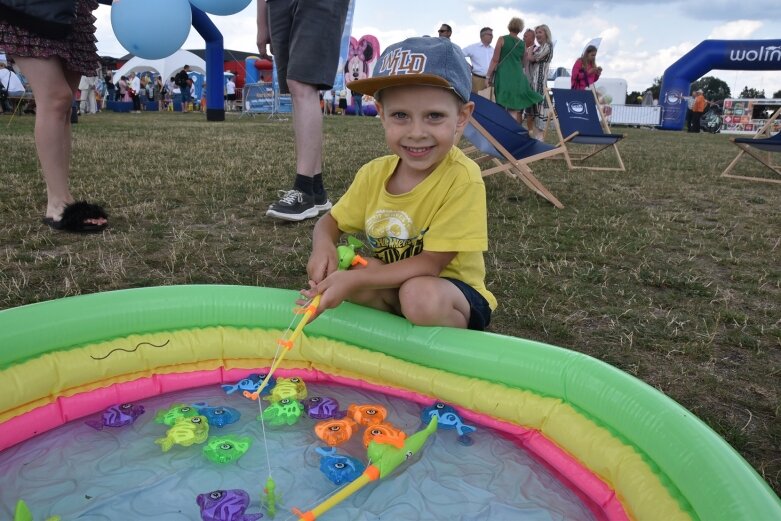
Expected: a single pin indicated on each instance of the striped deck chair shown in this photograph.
(502, 140)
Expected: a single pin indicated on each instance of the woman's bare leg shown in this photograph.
(53, 89)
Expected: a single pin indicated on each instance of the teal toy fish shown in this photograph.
(171, 415)
(283, 412)
(185, 432)
(227, 448)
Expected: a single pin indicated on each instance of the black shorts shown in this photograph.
(230, 97)
(479, 310)
(306, 36)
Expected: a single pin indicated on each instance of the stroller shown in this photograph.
(711, 120)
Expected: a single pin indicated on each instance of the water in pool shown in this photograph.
(120, 473)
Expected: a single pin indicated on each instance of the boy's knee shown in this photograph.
(420, 301)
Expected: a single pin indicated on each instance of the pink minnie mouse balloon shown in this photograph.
(151, 29)
(221, 7)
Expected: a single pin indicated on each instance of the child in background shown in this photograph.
(423, 208)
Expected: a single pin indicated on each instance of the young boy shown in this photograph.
(423, 208)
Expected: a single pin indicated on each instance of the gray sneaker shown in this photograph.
(294, 205)
(322, 204)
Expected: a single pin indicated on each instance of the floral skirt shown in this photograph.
(77, 51)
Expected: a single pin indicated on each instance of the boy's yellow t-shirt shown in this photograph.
(445, 212)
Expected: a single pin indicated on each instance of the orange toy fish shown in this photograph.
(367, 414)
(335, 432)
(384, 433)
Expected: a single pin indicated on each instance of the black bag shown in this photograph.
(48, 18)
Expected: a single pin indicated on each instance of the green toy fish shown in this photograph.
(227, 448)
(171, 415)
(346, 254)
(185, 432)
(283, 412)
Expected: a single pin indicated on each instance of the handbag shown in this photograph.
(48, 18)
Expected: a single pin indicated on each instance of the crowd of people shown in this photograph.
(515, 71)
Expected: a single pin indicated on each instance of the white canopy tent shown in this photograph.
(167, 67)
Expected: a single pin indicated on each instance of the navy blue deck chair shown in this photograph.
(577, 120)
(502, 140)
(760, 147)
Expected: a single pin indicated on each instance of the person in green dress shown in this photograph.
(511, 86)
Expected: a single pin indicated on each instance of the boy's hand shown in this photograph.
(334, 289)
(322, 263)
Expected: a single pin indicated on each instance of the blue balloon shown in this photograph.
(151, 29)
(220, 7)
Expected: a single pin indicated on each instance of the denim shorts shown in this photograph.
(479, 310)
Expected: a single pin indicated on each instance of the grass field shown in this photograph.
(665, 271)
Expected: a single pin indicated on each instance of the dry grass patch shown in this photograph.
(666, 271)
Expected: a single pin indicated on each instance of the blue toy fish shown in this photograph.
(117, 416)
(337, 468)
(225, 505)
(251, 384)
(448, 418)
(218, 416)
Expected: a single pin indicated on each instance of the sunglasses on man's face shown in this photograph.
(442, 31)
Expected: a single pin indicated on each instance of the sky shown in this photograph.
(640, 38)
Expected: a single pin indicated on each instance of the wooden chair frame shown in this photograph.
(516, 168)
(577, 157)
(763, 157)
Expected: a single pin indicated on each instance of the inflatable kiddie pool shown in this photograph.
(626, 449)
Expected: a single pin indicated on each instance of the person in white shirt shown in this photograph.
(11, 82)
(135, 85)
(230, 93)
(88, 104)
(480, 55)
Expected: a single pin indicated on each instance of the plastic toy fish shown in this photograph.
(292, 388)
(337, 468)
(218, 416)
(388, 432)
(367, 414)
(322, 408)
(227, 448)
(384, 459)
(335, 432)
(449, 419)
(185, 432)
(306, 313)
(117, 416)
(347, 256)
(251, 384)
(171, 415)
(225, 505)
(283, 412)
(22, 513)
(270, 497)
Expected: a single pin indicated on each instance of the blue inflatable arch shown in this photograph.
(215, 105)
(741, 55)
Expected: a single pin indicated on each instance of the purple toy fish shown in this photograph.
(225, 505)
(322, 408)
(117, 416)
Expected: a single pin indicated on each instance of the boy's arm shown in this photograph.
(340, 285)
(324, 260)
